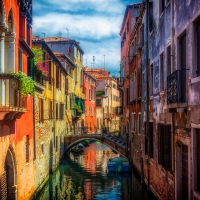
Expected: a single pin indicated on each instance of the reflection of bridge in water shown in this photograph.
(114, 142)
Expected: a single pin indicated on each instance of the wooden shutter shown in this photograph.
(167, 147)
(160, 144)
(66, 86)
(151, 139)
(57, 77)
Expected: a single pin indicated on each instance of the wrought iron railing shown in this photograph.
(176, 87)
(10, 96)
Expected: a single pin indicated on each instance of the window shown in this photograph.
(61, 110)
(197, 160)
(20, 60)
(66, 86)
(162, 6)
(98, 102)
(183, 67)
(56, 143)
(50, 110)
(27, 148)
(58, 78)
(151, 81)
(56, 110)
(162, 72)
(142, 35)
(198, 47)
(164, 146)
(133, 122)
(41, 111)
(150, 16)
(168, 60)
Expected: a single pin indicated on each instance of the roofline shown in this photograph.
(126, 13)
(67, 41)
(44, 44)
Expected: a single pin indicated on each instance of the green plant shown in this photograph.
(38, 60)
(26, 84)
(99, 92)
(38, 54)
(77, 107)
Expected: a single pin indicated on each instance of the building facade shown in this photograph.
(89, 90)
(164, 57)
(16, 103)
(129, 19)
(72, 49)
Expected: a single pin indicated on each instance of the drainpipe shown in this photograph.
(172, 69)
(147, 91)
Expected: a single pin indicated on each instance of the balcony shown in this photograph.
(12, 104)
(176, 88)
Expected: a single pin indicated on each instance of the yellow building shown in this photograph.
(49, 106)
(72, 50)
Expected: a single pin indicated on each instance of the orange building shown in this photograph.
(16, 103)
(89, 89)
(130, 16)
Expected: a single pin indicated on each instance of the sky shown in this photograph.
(94, 23)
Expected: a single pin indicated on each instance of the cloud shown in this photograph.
(95, 24)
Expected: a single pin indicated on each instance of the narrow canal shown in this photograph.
(84, 176)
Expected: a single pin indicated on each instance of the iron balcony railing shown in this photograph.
(176, 87)
(11, 98)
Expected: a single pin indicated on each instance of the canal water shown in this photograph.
(84, 176)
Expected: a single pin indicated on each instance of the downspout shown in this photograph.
(147, 91)
(172, 115)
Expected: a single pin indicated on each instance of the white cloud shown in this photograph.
(95, 23)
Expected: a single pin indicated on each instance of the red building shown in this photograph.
(89, 90)
(130, 16)
(16, 105)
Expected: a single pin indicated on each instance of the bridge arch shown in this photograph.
(72, 141)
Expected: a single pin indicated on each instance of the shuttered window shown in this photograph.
(50, 110)
(66, 86)
(61, 110)
(198, 48)
(57, 111)
(164, 146)
(27, 148)
(58, 78)
(41, 111)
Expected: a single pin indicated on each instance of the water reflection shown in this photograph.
(84, 176)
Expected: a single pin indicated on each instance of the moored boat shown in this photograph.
(118, 164)
(78, 148)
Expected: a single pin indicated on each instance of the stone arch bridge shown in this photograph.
(113, 142)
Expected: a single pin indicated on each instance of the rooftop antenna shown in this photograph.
(91, 65)
(43, 34)
(104, 61)
(67, 32)
(93, 61)
(86, 62)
